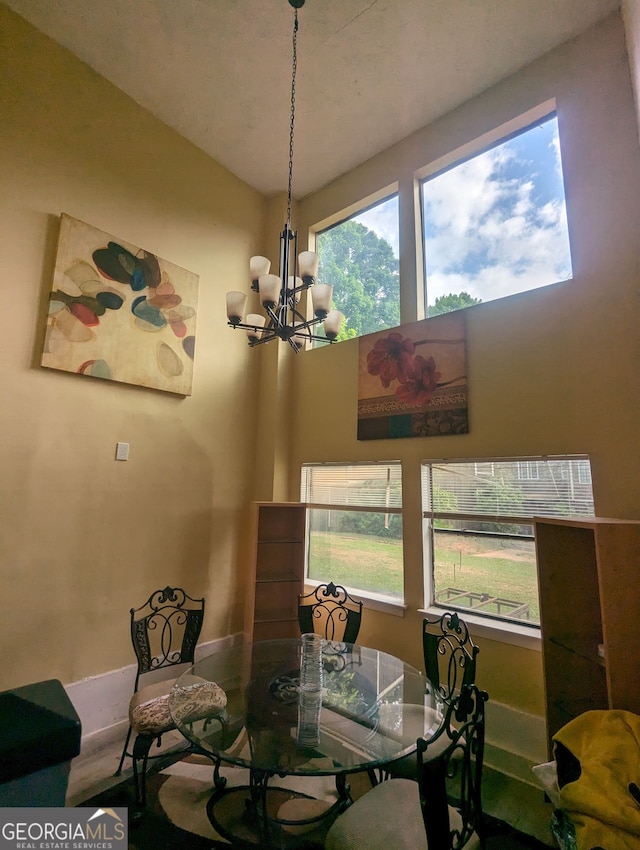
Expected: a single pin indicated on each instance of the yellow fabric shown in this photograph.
(607, 745)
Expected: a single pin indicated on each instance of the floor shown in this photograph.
(94, 769)
(518, 803)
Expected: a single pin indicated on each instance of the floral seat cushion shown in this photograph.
(149, 707)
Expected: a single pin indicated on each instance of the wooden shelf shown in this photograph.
(276, 630)
(589, 608)
(277, 577)
(280, 522)
(279, 560)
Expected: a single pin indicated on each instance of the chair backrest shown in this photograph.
(331, 612)
(449, 654)
(166, 629)
(454, 777)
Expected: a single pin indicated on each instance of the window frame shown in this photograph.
(507, 131)
(584, 474)
(371, 599)
(528, 470)
(523, 634)
(351, 212)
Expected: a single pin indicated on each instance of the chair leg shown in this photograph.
(481, 824)
(141, 748)
(124, 753)
(219, 782)
(344, 791)
(377, 775)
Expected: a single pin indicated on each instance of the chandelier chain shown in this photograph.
(293, 111)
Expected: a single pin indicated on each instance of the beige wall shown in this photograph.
(631, 18)
(550, 371)
(83, 537)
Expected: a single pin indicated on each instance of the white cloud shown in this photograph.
(383, 220)
(486, 232)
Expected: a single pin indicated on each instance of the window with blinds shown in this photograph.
(478, 535)
(354, 514)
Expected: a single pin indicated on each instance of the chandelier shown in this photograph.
(280, 294)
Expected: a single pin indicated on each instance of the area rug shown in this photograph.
(187, 788)
(176, 814)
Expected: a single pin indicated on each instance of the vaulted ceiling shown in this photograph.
(370, 72)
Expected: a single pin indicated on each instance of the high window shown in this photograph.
(355, 526)
(495, 223)
(478, 535)
(359, 258)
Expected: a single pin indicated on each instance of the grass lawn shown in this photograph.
(358, 560)
(503, 568)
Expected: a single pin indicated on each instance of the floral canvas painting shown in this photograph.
(412, 380)
(119, 312)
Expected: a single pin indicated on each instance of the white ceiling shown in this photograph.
(369, 71)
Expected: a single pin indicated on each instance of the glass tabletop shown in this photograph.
(371, 709)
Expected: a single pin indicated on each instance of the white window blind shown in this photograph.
(463, 488)
(376, 485)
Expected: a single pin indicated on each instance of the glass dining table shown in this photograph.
(372, 707)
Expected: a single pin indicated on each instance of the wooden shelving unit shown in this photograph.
(588, 575)
(279, 530)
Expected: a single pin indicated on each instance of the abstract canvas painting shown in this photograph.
(119, 312)
(412, 380)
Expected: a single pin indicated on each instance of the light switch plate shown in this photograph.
(122, 451)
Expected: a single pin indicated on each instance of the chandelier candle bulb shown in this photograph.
(269, 286)
(332, 324)
(321, 296)
(308, 262)
(257, 321)
(257, 267)
(236, 302)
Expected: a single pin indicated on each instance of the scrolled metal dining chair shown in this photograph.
(402, 813)
(449, 654)
(329, 610)
(450, 664)
(164, 633)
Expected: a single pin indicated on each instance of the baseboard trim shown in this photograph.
(515, 741)
(513, 766)
(102, 702)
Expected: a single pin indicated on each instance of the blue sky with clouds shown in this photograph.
(494, 224)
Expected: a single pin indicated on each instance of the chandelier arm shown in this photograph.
(305, 323)
(243, 326)
(255, 341)
(248, 326)
(267, 334)
(273, 316)
(317, 338)
(302, 288)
